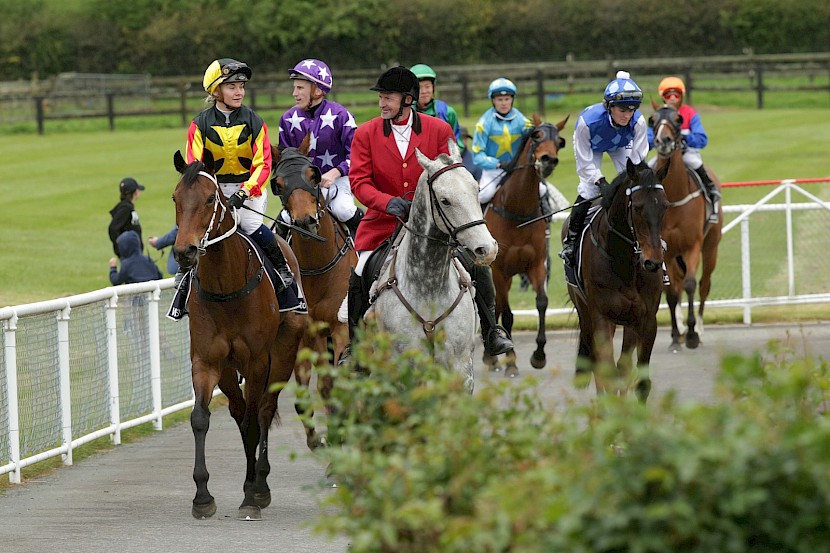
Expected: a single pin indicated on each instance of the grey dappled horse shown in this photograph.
(423, 290)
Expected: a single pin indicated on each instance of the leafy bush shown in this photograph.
(425, 467)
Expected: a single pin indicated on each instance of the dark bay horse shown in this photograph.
(326, 257)
(689, 237)
(524, 250)
(236, 330)
(622, 259)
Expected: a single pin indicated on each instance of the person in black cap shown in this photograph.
(124, 215)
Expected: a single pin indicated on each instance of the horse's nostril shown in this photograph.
(651, 266)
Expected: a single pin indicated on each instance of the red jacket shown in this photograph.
(378, 173)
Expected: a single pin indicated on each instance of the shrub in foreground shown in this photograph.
(425, 467)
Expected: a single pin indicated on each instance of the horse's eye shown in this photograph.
(173, 198)
(211, 199)
(445, 201)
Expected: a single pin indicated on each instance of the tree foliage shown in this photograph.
(168, 37)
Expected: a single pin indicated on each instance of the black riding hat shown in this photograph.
(398, 79)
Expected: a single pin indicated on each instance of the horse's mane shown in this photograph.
(647, 179)
(191, 172)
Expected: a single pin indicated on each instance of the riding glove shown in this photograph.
(237, 199)
(398, 207)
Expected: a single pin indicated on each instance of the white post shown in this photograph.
(155, 355)
(10, 347)
(746, 273)
(65, 385)
(790, 262)
(112, 362)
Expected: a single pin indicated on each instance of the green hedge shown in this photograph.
(425, 467)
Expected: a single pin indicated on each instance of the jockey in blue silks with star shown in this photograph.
(497, 139)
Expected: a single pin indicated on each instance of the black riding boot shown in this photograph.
(352, 223)
(495, 343)
(575, 224)
(281, 230)
(357, 303)
(274, 253)
(711, 190)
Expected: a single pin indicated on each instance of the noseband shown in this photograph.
(663, 119)
(292, 169)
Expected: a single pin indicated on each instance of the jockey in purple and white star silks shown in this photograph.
(330, 127)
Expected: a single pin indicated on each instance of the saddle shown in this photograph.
(710, 207)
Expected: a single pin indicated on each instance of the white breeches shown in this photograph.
(249, 221)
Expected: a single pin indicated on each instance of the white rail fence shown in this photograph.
(80, 368)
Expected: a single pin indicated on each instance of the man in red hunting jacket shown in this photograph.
(384, 174)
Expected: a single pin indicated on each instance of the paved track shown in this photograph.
(136, 498)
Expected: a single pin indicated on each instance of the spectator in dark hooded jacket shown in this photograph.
(134, 266)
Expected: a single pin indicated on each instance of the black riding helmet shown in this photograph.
(399, 79)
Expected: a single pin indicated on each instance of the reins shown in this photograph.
(206, 241)
(633, 242)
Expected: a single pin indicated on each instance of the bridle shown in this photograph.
(206, 240)
(663, 119)
(438, 213)
(632, 241)
(537, 136)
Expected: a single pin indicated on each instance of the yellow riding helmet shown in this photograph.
(225, 70)
(671, 83)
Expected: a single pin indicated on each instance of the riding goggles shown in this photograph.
(669, 94)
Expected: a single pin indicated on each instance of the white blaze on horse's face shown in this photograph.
(456, 193)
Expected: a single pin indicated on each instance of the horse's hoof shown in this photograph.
(643, 389)
(331, 478)
(538, 362)
(692, 341)
(262, 499)
(674, 347)
(249, 512)
(202, 512)
(511, 372)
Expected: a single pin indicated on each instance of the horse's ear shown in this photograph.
(422, 159)
(178, 161)
(631, 169)
(654, 104)
(455, 153)
(315, 175)
(207, 159)
(275, 155)
(560, 143)
(679, 119)
(305, 144)
(536, 119)
(561, 125)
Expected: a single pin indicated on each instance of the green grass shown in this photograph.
(60, 187)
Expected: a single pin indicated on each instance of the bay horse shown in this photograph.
(326, 256)
(622, 259)
(423, 290)
(691, 239)
(524, 250)
(236, 330)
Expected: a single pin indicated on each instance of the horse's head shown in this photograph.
(640, 196)
(200, 208)
(541, 146)
(446, 201)
(666, 122)
(297, 182)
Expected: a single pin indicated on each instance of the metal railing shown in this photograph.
(79, 368)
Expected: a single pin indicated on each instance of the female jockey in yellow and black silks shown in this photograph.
(238, 139)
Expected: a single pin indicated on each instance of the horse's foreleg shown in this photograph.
(537, 360)
(690, 287)
(626, 360)
(302, 374)
(672, 299)
(709, 260)
(648, 334)
(204, 506)
(605, 370)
